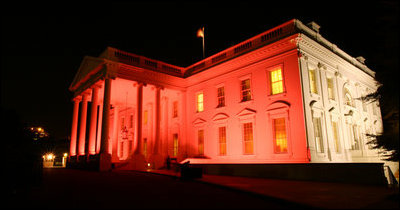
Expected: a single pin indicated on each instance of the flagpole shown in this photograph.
(203, 45)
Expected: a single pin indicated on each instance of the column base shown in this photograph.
(105, 162)
(156, 161)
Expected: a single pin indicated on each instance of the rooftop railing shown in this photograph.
(141, 61)
(262, 39)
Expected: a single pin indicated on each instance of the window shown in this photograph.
(175, 109)
(122, 123)
(280, 136)
(364, 106)
(222, 140)
(200, 101)
(335, 132)
(245, 90)
(145, 147)
(331, 91)
(355, 145)
(348, 100)
(131, 121)
(374, 107)
(313, 81)
(175, 141)
(276, 81)
(221, 96)
(319, 143)
(200, 138)
(248, 138)
(145, 117)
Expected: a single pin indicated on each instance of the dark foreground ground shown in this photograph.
(76, 189)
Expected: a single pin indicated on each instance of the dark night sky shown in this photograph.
(42, 46)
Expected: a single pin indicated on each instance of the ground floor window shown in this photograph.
(222, 140)
(336, 140)
(319, 142)
(175, 141)
(200, 138)
(280, 136)
(248, 138)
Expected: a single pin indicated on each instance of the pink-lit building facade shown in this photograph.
(284, 96)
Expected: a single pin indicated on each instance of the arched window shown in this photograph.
(348, 100)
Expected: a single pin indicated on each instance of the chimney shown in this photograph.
(314, 26)
(361, 59)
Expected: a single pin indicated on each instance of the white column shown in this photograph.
(104, 145)
(99, 122)
(157, 120)
(93, 121)
(139, 119)
(74, 128)
(82, 129)
(114, 148)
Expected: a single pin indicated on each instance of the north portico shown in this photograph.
(120, 114)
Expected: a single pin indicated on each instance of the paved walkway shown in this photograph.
(79, 189)
(315, 194)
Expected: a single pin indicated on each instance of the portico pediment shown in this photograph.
(89, 66)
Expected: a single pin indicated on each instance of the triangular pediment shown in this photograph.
(88, 65)
(246, 112)
(199, 122)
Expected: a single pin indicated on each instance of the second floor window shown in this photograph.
(245, 90)
(313, 81)
(145, 117)
(331, 92)
(276, 81)
(175, 109)
(221, 96)
(200, 102)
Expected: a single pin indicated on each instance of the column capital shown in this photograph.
(97, 86)
(77, 98)
(157, 87)
(136, 83)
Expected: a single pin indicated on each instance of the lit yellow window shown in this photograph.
(331, 93)
(145, 147)
(336, 136)
(280, 135)
(175, 138)
(200, 105)
(200, 136)
(248, 138)
(276, 82)
(313, 82)
(222, 140)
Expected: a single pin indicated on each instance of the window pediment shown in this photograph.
(220, 117)
(198, 122)
(278, 105)
(246, 112)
